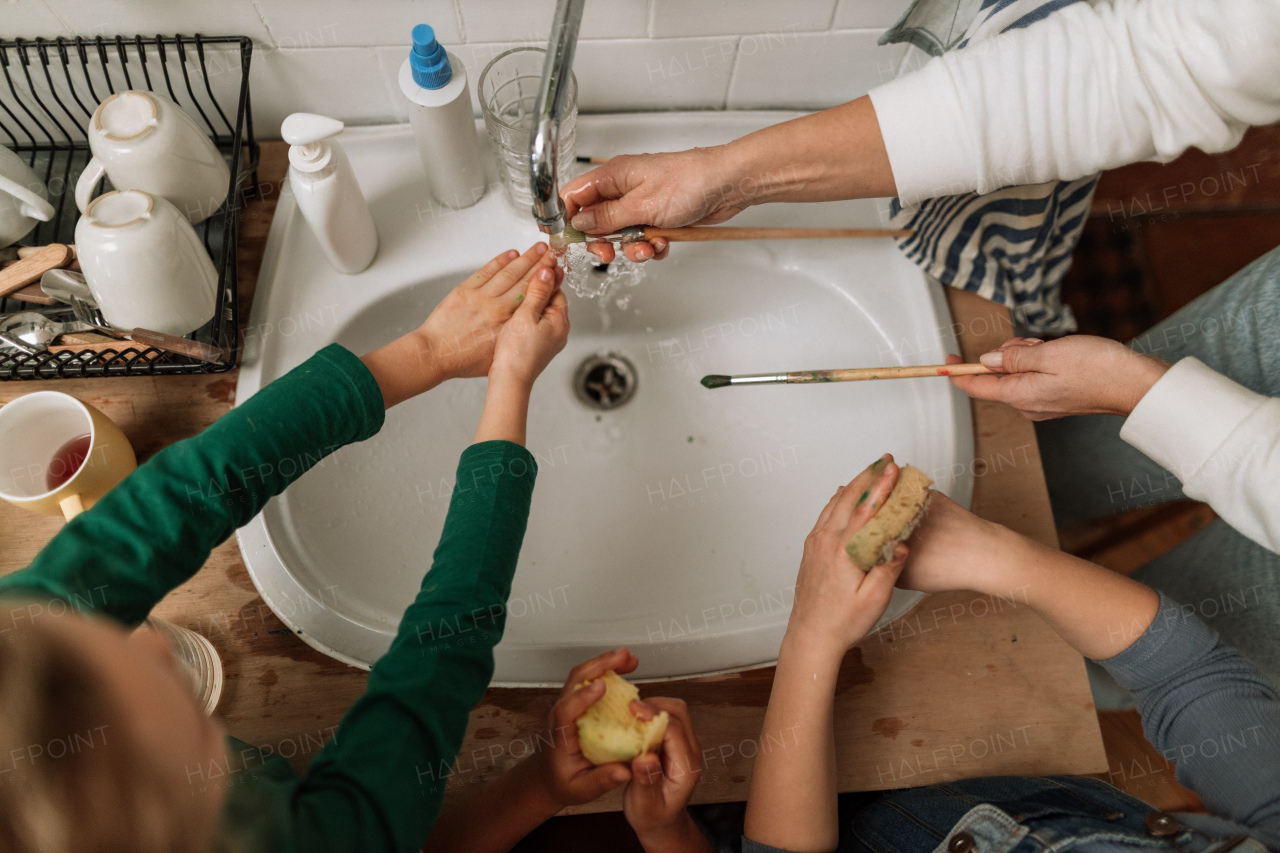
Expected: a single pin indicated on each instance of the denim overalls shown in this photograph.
(1016, 814)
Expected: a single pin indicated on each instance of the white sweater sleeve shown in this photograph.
(1088, 88)
(1220, 439)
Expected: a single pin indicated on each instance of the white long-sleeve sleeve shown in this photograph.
(1088, 88)
(1220, 439)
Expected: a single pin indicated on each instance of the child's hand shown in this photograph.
(661, 786)
(460, 334)
(952, 549)
(535, 333)
(569, 778)
(836, 603)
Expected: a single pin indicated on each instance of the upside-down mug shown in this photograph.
(59, 455)
(144, 141)
(145, 265)
(23, 199)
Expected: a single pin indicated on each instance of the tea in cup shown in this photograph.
(59, 455)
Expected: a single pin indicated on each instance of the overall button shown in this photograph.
(1162, 825)
(961, 842)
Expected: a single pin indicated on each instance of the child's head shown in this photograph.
(98, 732)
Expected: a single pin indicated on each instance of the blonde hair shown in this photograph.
(74, 775)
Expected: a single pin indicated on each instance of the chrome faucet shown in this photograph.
(544, 143)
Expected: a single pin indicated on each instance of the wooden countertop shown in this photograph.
(965, 685)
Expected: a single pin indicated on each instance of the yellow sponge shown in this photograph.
(894, 521)
(608, 731)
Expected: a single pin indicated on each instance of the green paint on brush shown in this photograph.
(715, 381)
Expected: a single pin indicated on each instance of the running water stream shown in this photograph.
(588, 278)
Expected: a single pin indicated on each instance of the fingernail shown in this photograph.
(585, 220)
(993, 359)
(512, 255)
(1033, 340)
(540, 249)
(543, 274)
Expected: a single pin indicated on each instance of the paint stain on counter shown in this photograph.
(889, 727)
(239, 576)
(268, 679)
(221, 391)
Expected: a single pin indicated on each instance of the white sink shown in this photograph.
(673, 524)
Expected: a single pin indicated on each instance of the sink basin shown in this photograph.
(672, 523)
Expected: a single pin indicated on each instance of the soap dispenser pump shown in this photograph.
(327, 192)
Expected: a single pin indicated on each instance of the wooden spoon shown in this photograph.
(37, 263)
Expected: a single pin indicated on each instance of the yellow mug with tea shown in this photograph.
(59, 455)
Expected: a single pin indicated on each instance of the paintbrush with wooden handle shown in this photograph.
(853, 374)
(703, 233)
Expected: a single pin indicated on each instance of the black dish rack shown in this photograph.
(47, 97)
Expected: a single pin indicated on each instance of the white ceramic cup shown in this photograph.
(144, 141)
(144, 264)
(23, 199)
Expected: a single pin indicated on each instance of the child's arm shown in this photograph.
(378, 784)
(1203, 706)
(156, 528)
(1099, 612)
(792, 801)
(541, 786)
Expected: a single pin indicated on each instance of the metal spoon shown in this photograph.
(39, 330)
(71, 287)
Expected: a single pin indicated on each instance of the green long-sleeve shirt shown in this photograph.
(378, 783)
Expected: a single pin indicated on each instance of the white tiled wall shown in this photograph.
(341, 57)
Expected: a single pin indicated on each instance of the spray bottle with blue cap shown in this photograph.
(434, 83)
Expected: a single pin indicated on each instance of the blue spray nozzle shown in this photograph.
(428, 61)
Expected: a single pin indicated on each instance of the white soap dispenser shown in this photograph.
(327, 192)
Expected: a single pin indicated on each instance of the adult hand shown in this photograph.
(654, 802)
(694, 187)
(460, 334)
(568, 777)
(836, 603)
(1075, 375)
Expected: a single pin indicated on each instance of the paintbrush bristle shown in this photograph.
(568, 237)
(715, 381)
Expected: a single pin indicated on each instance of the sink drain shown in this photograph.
(605, 382)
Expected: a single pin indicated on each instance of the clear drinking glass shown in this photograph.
(508, 90)
(197, 660)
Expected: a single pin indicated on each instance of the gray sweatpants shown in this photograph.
(1230, 581)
